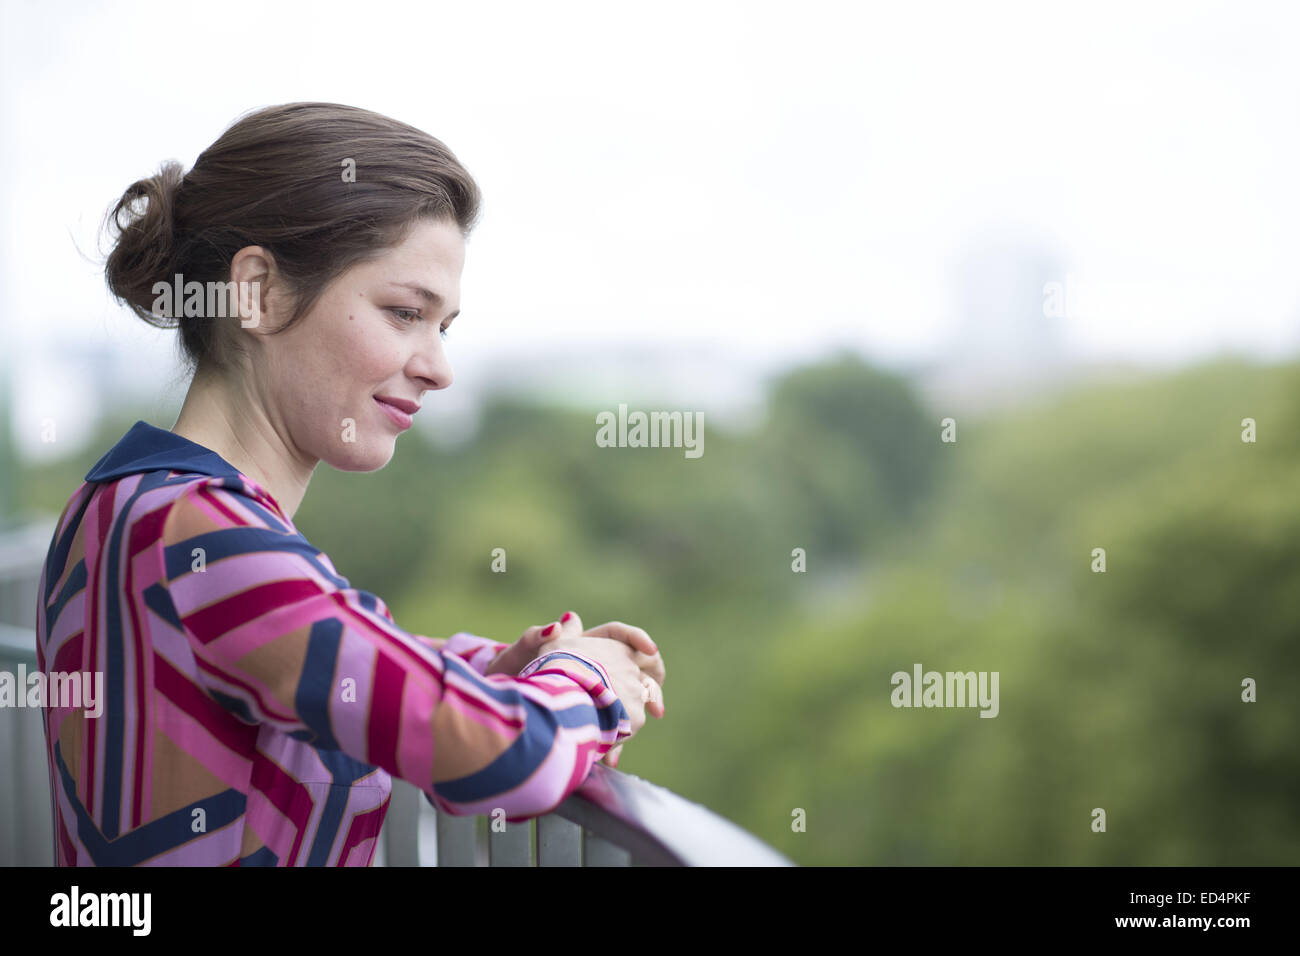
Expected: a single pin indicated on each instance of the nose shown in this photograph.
(430, 366)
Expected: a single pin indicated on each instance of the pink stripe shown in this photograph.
(70, 511)
(72, 620)
(190, 735)
(396, 641)
(385, 707)
(363, 854)
(356, 661)
(511, 715)
(219, 504)
(93, 538)
(233, 611)
(415, 743)
(240, 573)
(506, 730)
(70, 816)
(556, 692)
(541, 792)
(181, 689)
(291, 799)
(359, 844)
(134, 652)
(214, 848)
(275, 831)
(239, 641)
(259, 703)
(69, 655)
(171, 645)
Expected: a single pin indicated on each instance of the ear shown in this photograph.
(253, 272)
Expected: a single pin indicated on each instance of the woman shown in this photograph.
(256, 704)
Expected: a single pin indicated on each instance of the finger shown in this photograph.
(651, 665)
(570, 623)
(534, 636)
(653, 695)
(635, 712)
(634, 637)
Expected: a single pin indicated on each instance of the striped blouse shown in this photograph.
(254, 703)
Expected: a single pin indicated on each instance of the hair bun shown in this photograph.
(143, 251)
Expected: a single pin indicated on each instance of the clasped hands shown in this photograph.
(628, 655)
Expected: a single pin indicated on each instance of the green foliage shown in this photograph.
(1119, 690)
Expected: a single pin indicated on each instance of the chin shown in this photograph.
(363, 457)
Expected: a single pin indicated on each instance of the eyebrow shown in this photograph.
(427, 295)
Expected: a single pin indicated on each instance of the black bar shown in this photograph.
(974, 904)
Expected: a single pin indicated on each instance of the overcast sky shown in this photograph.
(758, 181)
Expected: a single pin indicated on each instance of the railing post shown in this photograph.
(402, 825)
(511, 847)
(457, 840)
(600, 852)
(559, 842)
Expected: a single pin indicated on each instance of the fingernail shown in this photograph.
(567, 615)
(549, 628)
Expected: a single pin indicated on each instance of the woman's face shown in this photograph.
(371, 335)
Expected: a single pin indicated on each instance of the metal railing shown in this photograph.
(22, 556)
(613, 819)
(26, 827)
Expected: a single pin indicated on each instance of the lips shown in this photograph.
(404, 404)
(398, 410)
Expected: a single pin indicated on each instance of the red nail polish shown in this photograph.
(567, 615)
(549, 628)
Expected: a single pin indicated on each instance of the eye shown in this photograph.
(402, 313)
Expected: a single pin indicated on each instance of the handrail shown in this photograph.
(659, 827)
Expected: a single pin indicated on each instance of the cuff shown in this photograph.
(536, 665)
(476, 651)
(592, 677)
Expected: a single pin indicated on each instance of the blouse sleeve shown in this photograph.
(476, 651)
(280, 639)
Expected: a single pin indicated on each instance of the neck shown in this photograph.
(231, 422)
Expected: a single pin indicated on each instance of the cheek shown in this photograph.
(366, 351)
(353, 361)
(346, 360)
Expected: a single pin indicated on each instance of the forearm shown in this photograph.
(479, 652)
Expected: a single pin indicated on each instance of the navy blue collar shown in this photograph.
(147, 448)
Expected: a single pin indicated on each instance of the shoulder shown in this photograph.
(200, 504)
(234, 521)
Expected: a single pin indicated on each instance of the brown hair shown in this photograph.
(275, 179)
